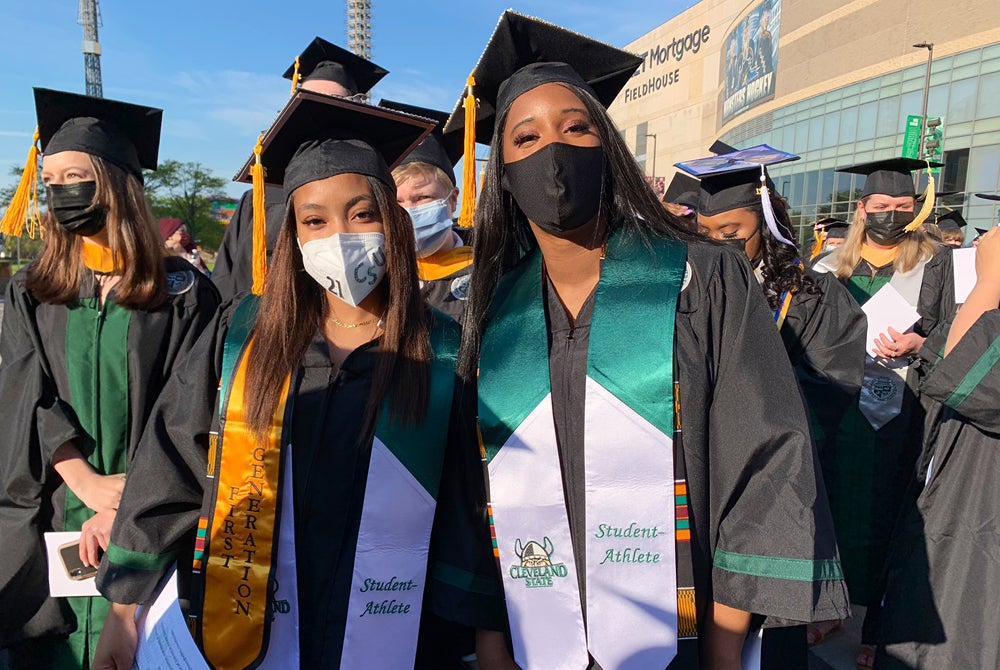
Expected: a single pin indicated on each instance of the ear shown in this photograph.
(453, 200)
(860, 210)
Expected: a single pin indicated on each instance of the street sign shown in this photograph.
(911, 138)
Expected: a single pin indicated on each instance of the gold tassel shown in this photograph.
(295, 77)
(23, 206)
(820, 237)
(259, 263)
(928, 206)
(467, 213)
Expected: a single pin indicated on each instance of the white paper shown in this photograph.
(164, 642)
(60, 585)
(964, 264)
(887, 308)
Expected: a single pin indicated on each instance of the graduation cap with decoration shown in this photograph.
(318, 136)
(326, 61)
(437, 149)
(894, 177)
(738, 180)
(522, 54)
(121, 133)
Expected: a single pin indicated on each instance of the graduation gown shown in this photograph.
(47, 350)
(449, 294)
(871, 470)
(233, 272)
(751, 468)
(943, 588)
(330, 467)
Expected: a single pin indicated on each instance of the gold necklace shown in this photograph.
(367, 322)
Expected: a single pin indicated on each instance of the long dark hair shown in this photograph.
(782, 270)
(503, 235)
(293, 307)
(133, 238)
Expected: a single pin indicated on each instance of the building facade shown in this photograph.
(834, 82)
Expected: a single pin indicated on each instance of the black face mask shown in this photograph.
(887, 228)
(740, 243)
(70, 205)
(559, 186)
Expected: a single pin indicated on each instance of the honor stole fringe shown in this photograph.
(245, 621)
(631, 608)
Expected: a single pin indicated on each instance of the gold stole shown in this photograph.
(444, 263)
(243, 533)
(97, 257)
(878, 257)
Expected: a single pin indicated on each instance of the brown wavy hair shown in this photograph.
(294, 306)
(915, 247)
(132, 235)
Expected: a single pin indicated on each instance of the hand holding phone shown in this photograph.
(69, 553)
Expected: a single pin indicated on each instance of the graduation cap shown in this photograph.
(121, 133)
(682, 186)
(437, 149)
(318, 136)
(719, 147)
(833, 227)
(326, 61)
(522, 54)
(952, 220)
(989, 196)
(893, 177)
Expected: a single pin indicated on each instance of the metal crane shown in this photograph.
(90, 19)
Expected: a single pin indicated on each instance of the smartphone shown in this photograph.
(69, 553)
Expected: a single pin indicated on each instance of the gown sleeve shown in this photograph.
(773, 548)
(162, 500)
(824, 335)
(463, 585)
(936, 303)
(968, 379)
(36, 423)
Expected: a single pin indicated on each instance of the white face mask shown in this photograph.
(348, 265)
(431, 226)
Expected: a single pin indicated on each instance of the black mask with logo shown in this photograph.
(887, 228)
(70, 204)
(559, 186)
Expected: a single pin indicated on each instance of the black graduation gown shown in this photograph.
(233, 272)
(752, 471)
(942, 602)
(330, 469)
(34, 392)
(449, 294)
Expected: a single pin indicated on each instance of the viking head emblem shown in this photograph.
(534, 555)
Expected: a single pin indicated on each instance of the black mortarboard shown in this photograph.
(981, 232)
(952, 220)
(892, 177)
(318, 136)
(681, 185)
(122, 133)
(437, 149)
(988, 196)
(719, 147)
(732, 180)
(524, 53)
(833, 227)
(328, 62)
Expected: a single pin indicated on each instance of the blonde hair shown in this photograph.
(915, 246)
(408, 171)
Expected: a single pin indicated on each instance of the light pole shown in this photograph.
(654, 153)
(923, 113)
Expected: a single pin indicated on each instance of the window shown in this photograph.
(888, 117)
(640, 145)
(848, 125)
(866, 121)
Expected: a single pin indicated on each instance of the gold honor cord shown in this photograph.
(242, 535)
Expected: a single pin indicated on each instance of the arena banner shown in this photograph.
(751, 60)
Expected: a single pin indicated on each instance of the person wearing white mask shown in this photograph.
(321, 408)
(426, 187)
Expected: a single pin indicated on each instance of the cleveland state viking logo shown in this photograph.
(882, 389)
(536, 568)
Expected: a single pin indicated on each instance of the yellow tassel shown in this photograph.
(259, 263)
(820, 237)
(928, 207)
(295, 77)
(467, 213)
(23, 206)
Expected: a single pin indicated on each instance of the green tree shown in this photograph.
(25, 248)
(186, 191)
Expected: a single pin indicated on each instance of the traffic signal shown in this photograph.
(933, 135)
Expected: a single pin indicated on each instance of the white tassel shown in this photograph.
(769, 217)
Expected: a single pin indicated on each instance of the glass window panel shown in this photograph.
(853, 89)
(809, 189)
(910, 103)
(815, 134)
(964, 72)
(869, 85)
(863, 147)
(968, 58)
(866, 121)
(796, 190)
(990, 66)
(891, 89)
(916, 72)
(939, 75)
(888, 117)
(991, 52)
(826, 186)
(956, 165)
(937, 101)
(988, 103)
(868, 96)
(984, 165)
(912, 85)
(987, 125)
(891, 78)
(848, 124)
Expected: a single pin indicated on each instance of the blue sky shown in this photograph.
(215, 66)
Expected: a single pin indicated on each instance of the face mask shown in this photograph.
(348, 265)
(887, 228)
(559, 186)
(70, 205)
(431, 226)
(740, 243)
